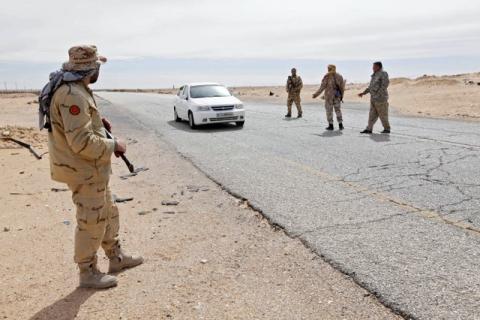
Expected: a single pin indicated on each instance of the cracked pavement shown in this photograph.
(399, 213)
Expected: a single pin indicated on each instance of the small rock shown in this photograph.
(155, 209)
(142, 213)
(121, 200)
(21, 172)
(169, 212)
(170, 203)
(203, 261)
(193, 189)
(58, 189)
(66, 222)
(5, 229)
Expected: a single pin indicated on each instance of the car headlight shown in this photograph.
(239, 106)
(203, 108)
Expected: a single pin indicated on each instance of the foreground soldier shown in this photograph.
(378, 90)
(334, 88)
(80, 156)
(294, 87)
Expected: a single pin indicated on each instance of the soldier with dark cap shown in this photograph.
(294, 87)
(378, 90)
(80, 156)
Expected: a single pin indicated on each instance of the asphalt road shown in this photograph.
(399, 213)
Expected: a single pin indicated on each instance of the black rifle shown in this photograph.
(130, 166)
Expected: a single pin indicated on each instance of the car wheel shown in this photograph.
(175, 115)
(191, 121)
(240, 123)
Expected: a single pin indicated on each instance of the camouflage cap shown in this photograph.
(332, 68)
(83, 58)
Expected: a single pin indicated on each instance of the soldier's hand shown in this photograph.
(107, 124)
(120, 147)
(314, 96)
(360, 95)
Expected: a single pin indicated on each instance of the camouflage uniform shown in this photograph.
(294, 87)
(378, 90)
(334, 87)
(80, 156)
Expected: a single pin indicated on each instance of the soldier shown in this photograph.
(378, 90)
(80, 156)
(294, 87)
(334, 87)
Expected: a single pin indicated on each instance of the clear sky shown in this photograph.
(162, 43)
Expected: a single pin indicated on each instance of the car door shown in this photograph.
(184, 103)
(178, 101)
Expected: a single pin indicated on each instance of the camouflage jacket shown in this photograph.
(378, 87)
(334, 87)
(79, 150)
(294, 85)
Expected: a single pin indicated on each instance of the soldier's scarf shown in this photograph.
(57, 78)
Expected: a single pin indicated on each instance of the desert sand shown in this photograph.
(455, 96)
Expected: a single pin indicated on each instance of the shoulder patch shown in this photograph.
(74, 110)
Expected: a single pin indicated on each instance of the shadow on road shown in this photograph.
(291, 119)
(65, 308)
(216, 127)
(329, 134)
(380, 137)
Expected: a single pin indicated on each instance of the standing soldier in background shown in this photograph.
(334, 87)
(80, 156)
(378, 90)
(294, 87)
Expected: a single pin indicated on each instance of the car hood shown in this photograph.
(217, 101)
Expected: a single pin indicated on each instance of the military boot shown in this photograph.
(288, 115)
(91, 277)
(300, 115)
(340, 126)
(330, 127)
(120, 260)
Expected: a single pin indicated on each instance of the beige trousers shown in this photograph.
(298, 103)
(378, 110)
(97, 222)
(329, 107)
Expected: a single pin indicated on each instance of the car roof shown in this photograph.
(195, 84)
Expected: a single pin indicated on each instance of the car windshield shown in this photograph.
(209, 91)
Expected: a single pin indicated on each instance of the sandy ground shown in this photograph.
(455, 96)
(209, 257)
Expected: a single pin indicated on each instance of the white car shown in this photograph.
(204, 103)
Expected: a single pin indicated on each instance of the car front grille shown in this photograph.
(222, 108)
(223, 119)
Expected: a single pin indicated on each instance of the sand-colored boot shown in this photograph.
(120, 260)
(91, 277)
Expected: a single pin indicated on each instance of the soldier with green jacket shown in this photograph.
(378, 90)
